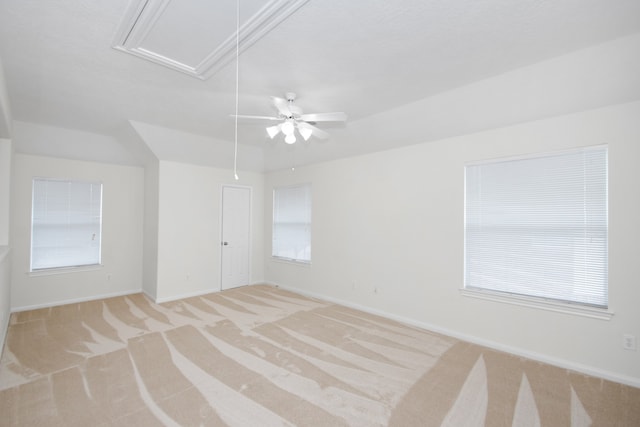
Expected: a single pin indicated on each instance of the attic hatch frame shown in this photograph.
(142, 15)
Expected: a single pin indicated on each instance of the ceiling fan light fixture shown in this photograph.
(305, 133)
(288, 128)
(290, 139)
(290, 117)
(273, 131)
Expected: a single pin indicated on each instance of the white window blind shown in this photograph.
(66, 223)
(538, 227)
(292, 223)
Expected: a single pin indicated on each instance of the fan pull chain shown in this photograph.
(235, 146)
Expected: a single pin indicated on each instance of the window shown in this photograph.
(292, 223)
(66, 223)
(538, 227)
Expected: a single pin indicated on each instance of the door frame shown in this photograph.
(250, 251)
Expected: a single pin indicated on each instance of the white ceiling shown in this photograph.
(398, 68)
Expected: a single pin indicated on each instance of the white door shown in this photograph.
(236, 236)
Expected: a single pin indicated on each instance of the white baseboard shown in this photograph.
(74, 300)
(183, 296)
(193, 294)
(117, 294)
(561, 363)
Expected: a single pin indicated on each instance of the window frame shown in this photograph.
(539, 302)
(66, 267)
(289, 259)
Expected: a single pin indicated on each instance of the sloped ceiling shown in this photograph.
(404, 71)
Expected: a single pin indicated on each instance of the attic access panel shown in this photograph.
(197, 37)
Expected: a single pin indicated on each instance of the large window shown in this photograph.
(66, 223)
(292, 223)
(537, 227)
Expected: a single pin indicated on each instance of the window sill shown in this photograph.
(64, 270)
(558, 307)
(291, 261)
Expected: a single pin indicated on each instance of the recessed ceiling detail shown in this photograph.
(192, 36)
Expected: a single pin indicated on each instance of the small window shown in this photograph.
(538, 227)
(292, 223)
(66, 223)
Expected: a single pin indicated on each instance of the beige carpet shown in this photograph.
(261, 356)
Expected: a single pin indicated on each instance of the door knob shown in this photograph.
(225, 243)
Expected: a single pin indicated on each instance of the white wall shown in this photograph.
(387, 235)
(6, 152)
(6, 155)
(189, 228)
(122, 233)
(5, 293)
(6, 122)
(150, 236)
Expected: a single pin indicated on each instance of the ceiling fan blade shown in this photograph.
(282, 105)
(318, 133)
(324, 117)
(245, 117)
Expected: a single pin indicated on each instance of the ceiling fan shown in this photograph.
(291, 118)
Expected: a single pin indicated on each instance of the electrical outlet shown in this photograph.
(629, 342)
